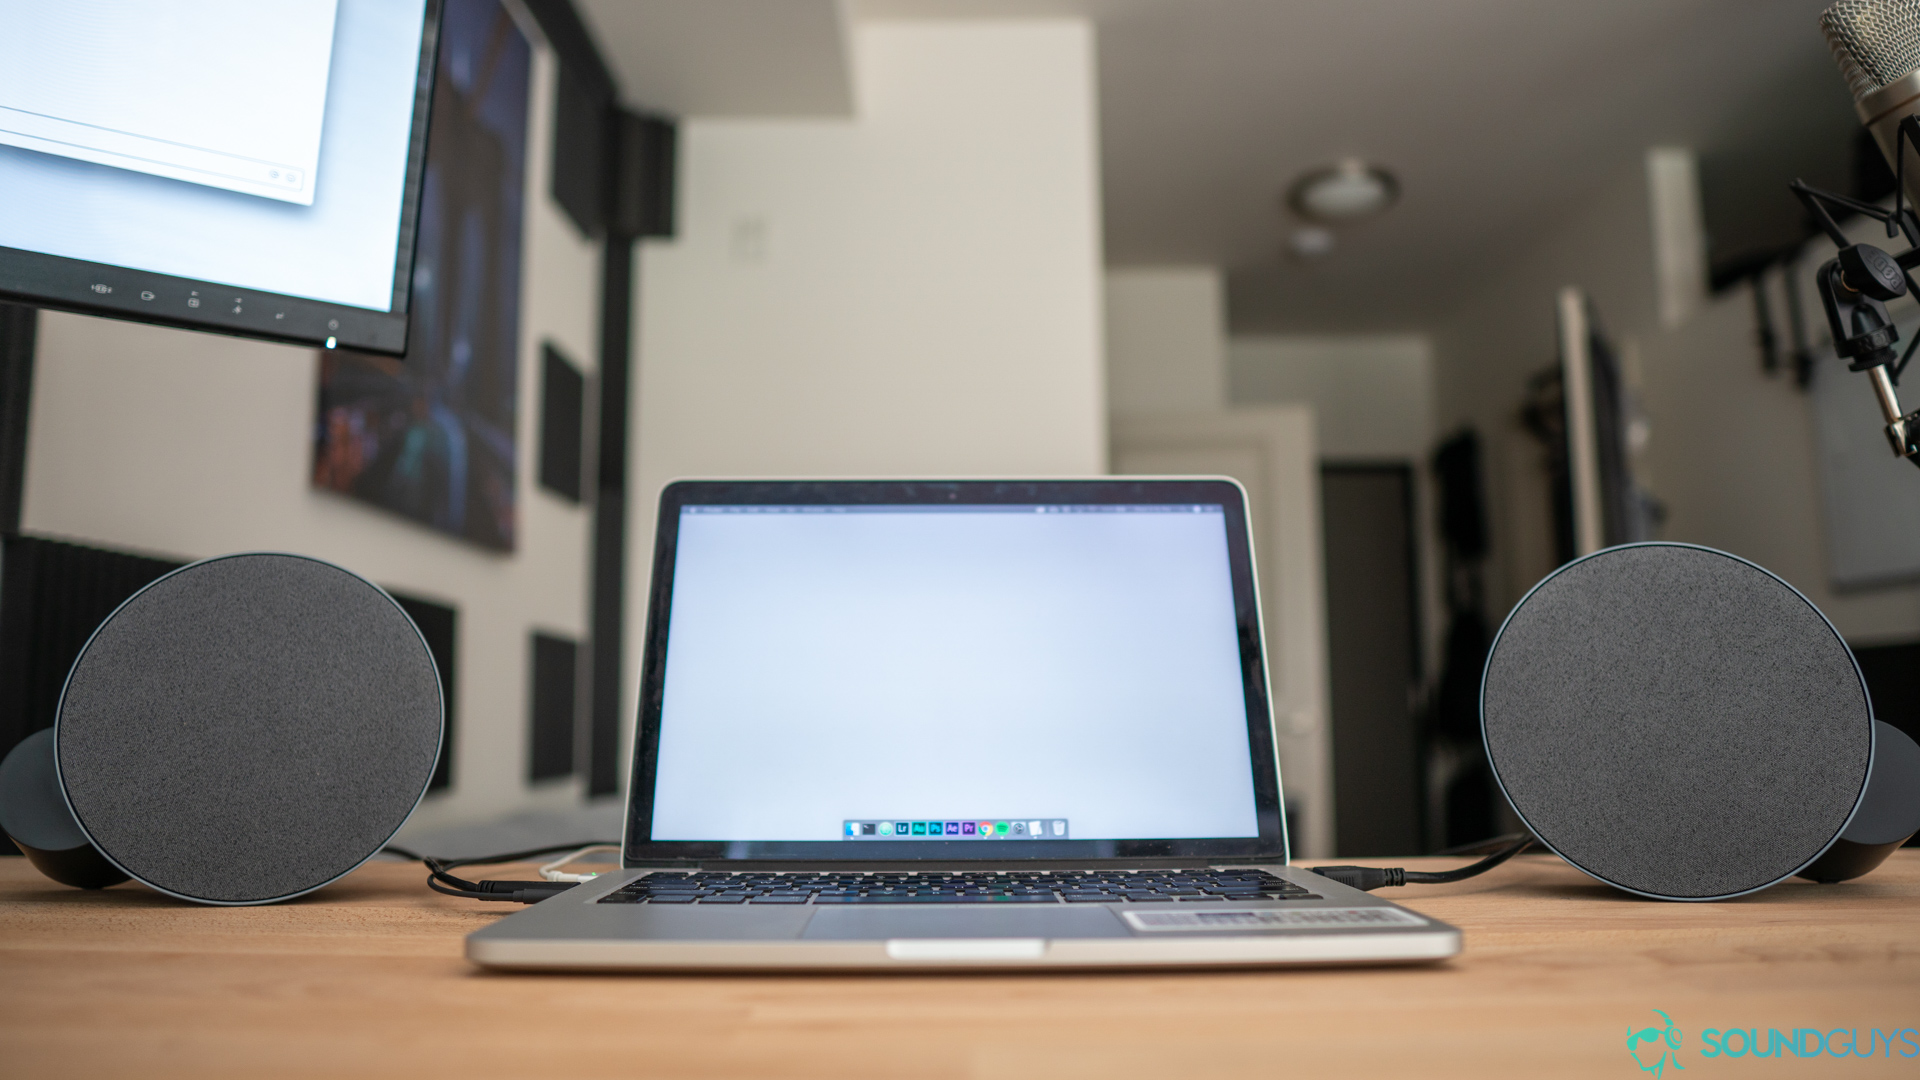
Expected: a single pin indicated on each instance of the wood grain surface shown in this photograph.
(366, 978)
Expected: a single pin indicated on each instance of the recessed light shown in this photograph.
(1310, 241)
(1349, 190)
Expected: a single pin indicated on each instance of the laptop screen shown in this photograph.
(878, 677)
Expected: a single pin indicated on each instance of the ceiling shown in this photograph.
(1496, 115)
(711, 58)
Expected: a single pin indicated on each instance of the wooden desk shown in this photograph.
(366, 979)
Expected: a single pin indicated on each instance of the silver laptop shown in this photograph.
(912, 724)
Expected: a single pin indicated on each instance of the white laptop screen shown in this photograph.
(875, 673)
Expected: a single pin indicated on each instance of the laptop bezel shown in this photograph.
(1270, 845)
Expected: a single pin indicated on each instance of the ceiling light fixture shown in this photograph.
(1310, 242)
(1345, 192)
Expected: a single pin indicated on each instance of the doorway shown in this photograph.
(1373, 645)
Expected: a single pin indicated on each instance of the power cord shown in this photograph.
(1369, 878)
(516, 892)
(552, 871)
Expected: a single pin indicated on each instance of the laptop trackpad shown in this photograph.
(885, 921)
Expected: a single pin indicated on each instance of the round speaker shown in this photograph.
(1676, 721)
(248, 728)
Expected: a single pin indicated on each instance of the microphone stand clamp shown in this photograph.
(1854, 288)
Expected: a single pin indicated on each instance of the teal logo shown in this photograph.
(1809, 1043)
(1654, 1048)
(1657, 1046)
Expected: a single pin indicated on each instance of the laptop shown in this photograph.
(955, 724)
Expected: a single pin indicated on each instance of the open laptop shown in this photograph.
(900, 724)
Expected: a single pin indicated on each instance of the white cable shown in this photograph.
(552, 871)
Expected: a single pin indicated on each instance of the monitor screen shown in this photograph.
(874, 673)
(218, 164)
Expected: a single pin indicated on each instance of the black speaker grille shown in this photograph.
(1676, 721)
(249, 728)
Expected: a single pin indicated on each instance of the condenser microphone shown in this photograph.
(1877, 45)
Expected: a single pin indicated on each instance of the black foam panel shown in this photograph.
(556, 667)
(249, 728)
(53, 596)
(563, 405)
(1676, 721)
(440, 626)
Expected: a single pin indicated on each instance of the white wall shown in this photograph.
(1731, 452)
(1372, 394)
(1271, 452)
(1504, 333)
(188, 445)
(1166, 340)
(1184, 397)
(1372, 397)
(912, 292)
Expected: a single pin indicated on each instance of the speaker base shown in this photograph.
(1889, 813)
(82, 867)
(34, 815)
(1846, 860)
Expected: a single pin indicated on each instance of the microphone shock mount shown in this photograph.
(1855, 287)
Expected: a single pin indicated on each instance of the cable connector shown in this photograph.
(1364, 878)
(524, 892)
(1369, 878)
(517, 892)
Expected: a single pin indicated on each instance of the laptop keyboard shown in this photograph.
(971, 887)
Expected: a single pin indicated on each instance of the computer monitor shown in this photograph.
(221, 165)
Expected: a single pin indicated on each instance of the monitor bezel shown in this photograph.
(90, 288)
(1269, 845)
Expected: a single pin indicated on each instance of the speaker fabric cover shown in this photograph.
(249, 728)
(1676, 721)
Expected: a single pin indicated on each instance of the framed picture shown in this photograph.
(432, 437)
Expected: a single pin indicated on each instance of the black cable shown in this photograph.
(1442, 877)
(472, 894)
(514, 892)
(1369, 878)
(512, 856)
(519, 892)
(436, 869)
